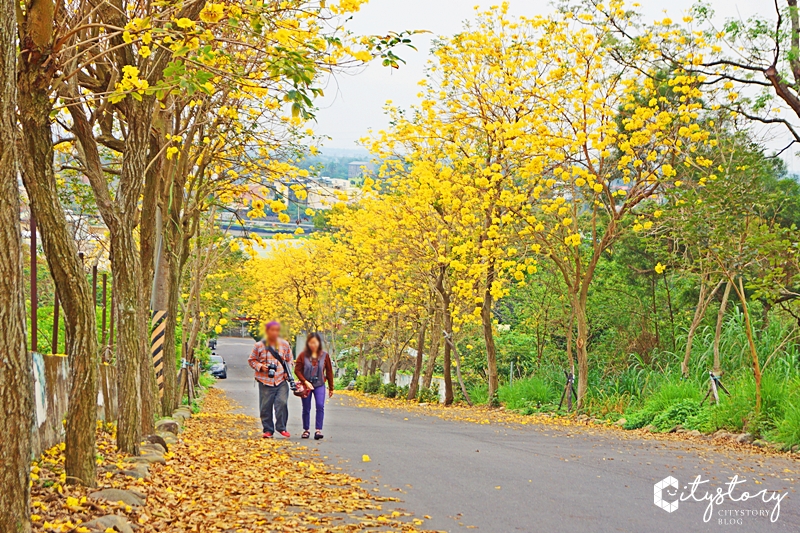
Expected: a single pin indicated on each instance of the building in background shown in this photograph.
(357, 169)
(324, 192)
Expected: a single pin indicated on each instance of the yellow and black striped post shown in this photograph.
(159, 324)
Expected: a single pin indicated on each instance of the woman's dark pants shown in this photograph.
(319, 400)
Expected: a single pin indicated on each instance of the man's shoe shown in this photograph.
(266, 435)
(286, 434)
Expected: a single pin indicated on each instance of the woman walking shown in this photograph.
(313, 368)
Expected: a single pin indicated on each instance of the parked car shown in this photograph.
(219, 368)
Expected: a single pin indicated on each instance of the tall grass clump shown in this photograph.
(787, 431)
(479, 393)
(671, 399)
(526, 392)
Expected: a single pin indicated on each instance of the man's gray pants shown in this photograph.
(276, 398)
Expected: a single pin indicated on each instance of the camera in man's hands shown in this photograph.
(271, 368)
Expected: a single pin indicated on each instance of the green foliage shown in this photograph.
(344, 380)
(701, 421)
(676, 414)
(390, 390)
(638, 419)
(668, 403)
(788, 429)
(737, 412)
(479, 393)
(428, 394)
(676, 402)
(525, 392)
(207, 380)
(369, 384)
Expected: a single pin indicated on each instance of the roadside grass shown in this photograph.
(651, 392)
(533, 392)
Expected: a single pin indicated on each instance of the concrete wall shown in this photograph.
(51, 393)
(50, 388)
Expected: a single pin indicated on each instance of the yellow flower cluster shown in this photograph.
(130, 82)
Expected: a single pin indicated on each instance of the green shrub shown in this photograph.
(525, 392)
(701, 421)
(638, 419)
(369, 384)
(402, 392)
(676, 414)
(390, 390)
(428, 394)
(670, 393)
(207, 380)
(344, 380)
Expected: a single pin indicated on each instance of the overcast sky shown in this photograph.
(354, 103)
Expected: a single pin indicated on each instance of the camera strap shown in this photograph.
(278, 356)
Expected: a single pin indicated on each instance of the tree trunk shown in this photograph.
(16, 383)
(766, 307)
(127, 298)
(444, 294)
(170, 400)
(362, 361)
(448, 371)
(65, 266)
(414, 386)
(436, 340)
(135, 377)
(162, 301)
(718, 331)
(132, 302)
(488, 335)
(175, 254)
(753, 353)
(671, 311)
(452, 344)
(393, 364)
(580, 345)
(699, 313)
(570, 330)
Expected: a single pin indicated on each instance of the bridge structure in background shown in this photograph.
(238, 227)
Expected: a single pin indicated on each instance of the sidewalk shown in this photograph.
(225, 478)
(218, 476)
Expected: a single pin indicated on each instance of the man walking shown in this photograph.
(273, 389)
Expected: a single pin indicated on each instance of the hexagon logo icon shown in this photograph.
(658, 494)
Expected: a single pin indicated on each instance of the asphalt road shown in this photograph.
(494, 478)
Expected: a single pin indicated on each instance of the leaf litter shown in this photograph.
(220, 477)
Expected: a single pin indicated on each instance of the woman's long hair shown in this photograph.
(307, 351)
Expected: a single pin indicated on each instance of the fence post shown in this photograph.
(34, 292)
(54, 344)
(94, 285)
(103, 323)
(111, 320)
